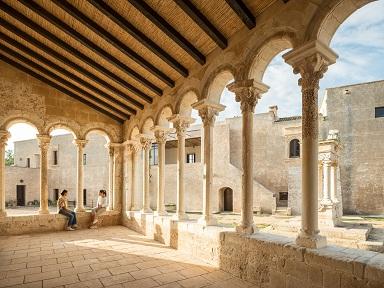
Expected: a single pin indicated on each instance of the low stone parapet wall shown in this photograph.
(16, 225)
(277, 262)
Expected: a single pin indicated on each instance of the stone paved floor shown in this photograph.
(106, 257)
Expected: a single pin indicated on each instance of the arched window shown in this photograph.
(294, 148)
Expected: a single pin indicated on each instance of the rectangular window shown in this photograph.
(379, 112)
(28, 162)
(84, 159)
(55, 158)
(191, 158)
(283, 196)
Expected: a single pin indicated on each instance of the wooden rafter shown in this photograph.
(243, 12)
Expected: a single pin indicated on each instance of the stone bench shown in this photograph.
(24, 224)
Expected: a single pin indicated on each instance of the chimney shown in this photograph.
(274, 109)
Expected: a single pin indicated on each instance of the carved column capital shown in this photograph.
(181, 123)
(161, 134)
(146, 142)
(113, 148)
(44, 141)
(80, 143)
(208, 111)
(247, 92)
(4, 136)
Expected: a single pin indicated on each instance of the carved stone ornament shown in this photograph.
(247, 94)
(146, 143)
(44, 141)
(80, 143)
(4, 136)
(161, 136)
(208, 115)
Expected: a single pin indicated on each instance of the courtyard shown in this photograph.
(108, 257)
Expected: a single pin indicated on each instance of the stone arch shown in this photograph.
(99, 131)
(147, 125)
(22, 119)
(134, 132)
(217, 82)
(184, 107)
(261, 56)
(70, 125)
(330, 15)
(162, 116)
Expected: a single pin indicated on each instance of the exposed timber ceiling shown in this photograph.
(118, 55)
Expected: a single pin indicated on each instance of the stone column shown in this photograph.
(135, 173)
(311, 61)
(180, 123)
(207, 111)
(110, 175)
(320, 180)
(4, 136)
(247, 93)
(326, 200)
(117, 176)
(161, 138)
(80, 144)
(333, 182)
(146, 143)
(44, 141)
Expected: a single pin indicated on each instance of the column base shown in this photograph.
(160, 213)
(133, 208)
(207, 221)
(328, 215)
(326, 202)
(3, 214)
(311, 241)
(43, 212)
(180, 217)
(146, 210)
(246, 229)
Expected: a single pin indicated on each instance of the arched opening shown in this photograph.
(294, 148)
(22, 169)
(226, 199)
(96, 167)
(62, 165)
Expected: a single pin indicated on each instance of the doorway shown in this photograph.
(20, 195)
(228, 200)
(85, 197)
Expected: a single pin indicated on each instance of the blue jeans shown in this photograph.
(71, 216)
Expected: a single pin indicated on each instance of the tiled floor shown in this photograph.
(105, 257)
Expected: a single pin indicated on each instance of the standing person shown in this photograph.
(100, 208)
(62, 207)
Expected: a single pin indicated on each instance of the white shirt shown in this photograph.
(102, 202)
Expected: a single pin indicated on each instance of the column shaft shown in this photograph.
(333, 183)
(4, 135)
(146, 208)
(80, 175)
(110, 178)
(161, 179)
(44, 141)
(180, 175)
(135, 175)
(326, 184)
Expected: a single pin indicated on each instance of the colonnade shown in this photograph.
(44, 143)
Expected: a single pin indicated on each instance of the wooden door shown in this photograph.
(228, 199)
(20, 195)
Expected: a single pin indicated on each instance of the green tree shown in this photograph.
(9, 158)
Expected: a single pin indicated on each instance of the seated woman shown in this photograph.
(62, 207)
(100, 208)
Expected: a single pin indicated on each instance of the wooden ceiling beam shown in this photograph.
(59, 79)
(243, 12)
(107, 11)
(30, 72)
(74, 78)
(166, 28)
(87, 43)
(57, 56)
(108, 37)
(60, 43)
(203, 22)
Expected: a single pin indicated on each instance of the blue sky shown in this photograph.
(359, 42)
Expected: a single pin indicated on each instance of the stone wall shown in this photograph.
(351, 110)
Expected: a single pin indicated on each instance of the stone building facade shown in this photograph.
(277, 181)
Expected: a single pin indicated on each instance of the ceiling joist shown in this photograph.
(59, 79)
(243, 12)
(203, 22)
(166, 28)
(60, 43)
(69, 75)
(104, 34)
(30, 72)
(106, 10)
